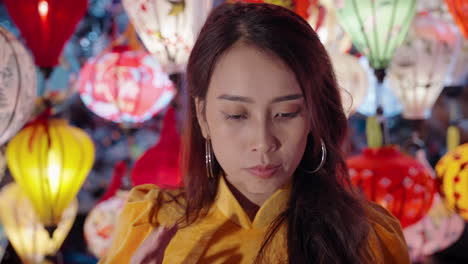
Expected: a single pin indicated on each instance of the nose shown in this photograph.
(264, 140)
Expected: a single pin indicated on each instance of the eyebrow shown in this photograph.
(243, 99)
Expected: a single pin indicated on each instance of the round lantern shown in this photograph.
(377, 27)
(125, 86)
(49, 24)
(452, 173)
(420, 65)
(100, 223)
(160, 164)
(352, 79)
(459, 10)
(168, 29)
(18, 85)
(25, 231)
(50, 160)
(398, 182)
(438, 230)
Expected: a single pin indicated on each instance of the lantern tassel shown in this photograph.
(453, 137)
(374, 132)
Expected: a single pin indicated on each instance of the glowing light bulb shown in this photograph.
(43, 8)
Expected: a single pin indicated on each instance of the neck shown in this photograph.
(250, 202)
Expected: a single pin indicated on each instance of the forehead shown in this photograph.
(244, 70)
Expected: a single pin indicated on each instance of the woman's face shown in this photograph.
(256, 118)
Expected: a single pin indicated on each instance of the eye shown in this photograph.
(235, 117)
(287, 115)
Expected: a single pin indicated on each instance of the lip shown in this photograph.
(264, 171)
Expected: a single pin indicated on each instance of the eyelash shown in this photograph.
(278, 115)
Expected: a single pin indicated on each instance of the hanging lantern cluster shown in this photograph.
(398, 182)
(125, 86)
(452, 172)
(49, 24)
(459, 10)
(50, 160)
(420, 65)
(100, 223)
(18, 85)
(25, 230)
(168, 29)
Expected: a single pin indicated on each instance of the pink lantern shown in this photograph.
(396, 181)
(125, 86)
(100, 224)
(160, 164)
(438, 230)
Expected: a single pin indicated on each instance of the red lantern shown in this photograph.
(459, 10)
(301, 7)
(46, 25)
(125, 86)
(396, 181)
(160, 164)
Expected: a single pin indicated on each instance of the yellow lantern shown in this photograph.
(24, 230)
(452, 172)
(50, 160)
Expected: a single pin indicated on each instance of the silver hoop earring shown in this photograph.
(209, 159)
(322, 160)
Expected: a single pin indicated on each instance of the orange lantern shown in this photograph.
(394, 180)
(459, 10)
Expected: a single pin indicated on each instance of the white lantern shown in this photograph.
(18, 85)
(420, 65)
(26, 233)
(352, 79)
(167, 28)
(458, 70)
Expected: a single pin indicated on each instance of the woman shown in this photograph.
(265, 179)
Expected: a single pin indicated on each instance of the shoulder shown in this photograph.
(385, 241)
(148, 197)
(134, 225)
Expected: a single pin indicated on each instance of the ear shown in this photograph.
(201, 118)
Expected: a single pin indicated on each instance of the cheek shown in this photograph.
(228, 142)
(293, 141)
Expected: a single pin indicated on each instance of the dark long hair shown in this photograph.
(325, 219)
